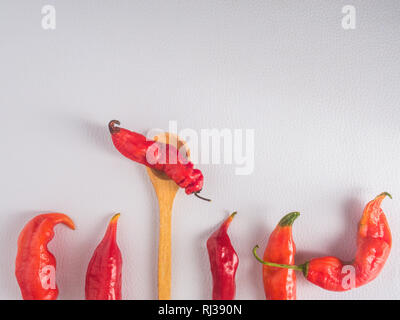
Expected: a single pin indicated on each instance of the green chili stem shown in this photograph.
(288, 219)
(300, 267)
(386, 194)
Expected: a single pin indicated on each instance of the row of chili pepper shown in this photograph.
(35, 265)
(373, 238)
(374, 242)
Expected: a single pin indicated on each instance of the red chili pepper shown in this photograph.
(35, 266)
(223, 261)
(158, 156)
(374, 242)
(104, 273)
(280, 284)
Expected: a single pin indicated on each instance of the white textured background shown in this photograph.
(324, 103)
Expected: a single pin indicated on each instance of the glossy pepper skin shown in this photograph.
(104, 273)
(35, 265)
(280, 284)
(137, 148)
(223, 262)
(374, 242)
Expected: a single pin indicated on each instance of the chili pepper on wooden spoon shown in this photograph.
(224, 262)
(104, 273)
(166, 190)
(374, 242)
(35, 265)
(280, 284)
(159, 156)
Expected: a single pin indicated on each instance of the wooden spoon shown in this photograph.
(166, 190)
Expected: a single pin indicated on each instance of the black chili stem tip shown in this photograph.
(200, 197)
(111, 126)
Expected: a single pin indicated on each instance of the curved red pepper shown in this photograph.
(35, 266)
(104, 273)
(280, 284)
(137, 148)
(374, 242)
(223, 261)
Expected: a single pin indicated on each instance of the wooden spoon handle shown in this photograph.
(164, 251)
